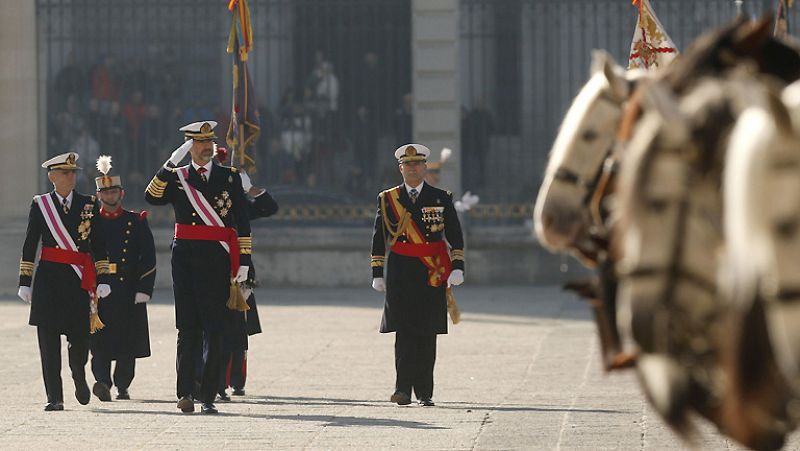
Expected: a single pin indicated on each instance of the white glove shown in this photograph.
(241, 276)
(180, 152)
(468, 200)
(246, 183)
(141, 298)
(378, 284)
(246, 292)
(25, 294)
(456, 277)
(103, 290)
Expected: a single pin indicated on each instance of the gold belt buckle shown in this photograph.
(112, 268)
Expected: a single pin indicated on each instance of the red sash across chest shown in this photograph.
(434, 255)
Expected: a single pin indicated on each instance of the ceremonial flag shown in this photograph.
(651, 46)
(781, 20)
(245, 125)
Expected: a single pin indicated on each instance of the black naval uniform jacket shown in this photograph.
(201, 269)
(413, 306)
(132, 267)
(240, 325)
(58, 302)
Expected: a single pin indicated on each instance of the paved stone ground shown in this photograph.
(520, 372)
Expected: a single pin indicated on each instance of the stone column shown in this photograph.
(435, 82)
(20, 174)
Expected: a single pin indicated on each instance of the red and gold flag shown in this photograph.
(782, 18)
(245, 126)
(651, 47)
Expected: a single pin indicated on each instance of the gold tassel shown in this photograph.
(236, 301)
(452, 307)
(94, 317)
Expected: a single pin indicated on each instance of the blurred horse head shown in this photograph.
(584, 141)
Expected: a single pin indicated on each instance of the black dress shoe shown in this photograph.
(222, 396)
(208, 408)
(400, 398)
(82, 393)
(54, 406)
(186, 404)
(122, 393)
(102, 391)
(238, 392)
(426, 402)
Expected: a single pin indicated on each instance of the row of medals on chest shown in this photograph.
(85, 227)
(433, 217)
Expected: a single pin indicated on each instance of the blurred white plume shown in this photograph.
(445, 155)
(104, 164)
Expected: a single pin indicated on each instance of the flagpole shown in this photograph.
(738, 7)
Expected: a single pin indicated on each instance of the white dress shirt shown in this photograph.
(61, 200)
(208, 166)
(418, 188)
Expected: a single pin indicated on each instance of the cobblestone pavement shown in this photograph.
(520, 372)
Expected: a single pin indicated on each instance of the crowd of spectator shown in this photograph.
(326, 133)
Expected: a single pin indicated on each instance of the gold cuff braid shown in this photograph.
(25, 268)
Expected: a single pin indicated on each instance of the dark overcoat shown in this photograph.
(58, 302)
(412, 305)
(132, 258)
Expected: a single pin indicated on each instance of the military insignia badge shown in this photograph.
(85, 226)
(223, 203)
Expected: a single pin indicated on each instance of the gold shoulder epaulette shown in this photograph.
(386, 191)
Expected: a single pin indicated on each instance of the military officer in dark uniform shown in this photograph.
(241, 325)
(132, 265)
(210, 254)
(72, 263)
(418, 226)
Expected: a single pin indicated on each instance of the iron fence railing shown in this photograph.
(333, 82)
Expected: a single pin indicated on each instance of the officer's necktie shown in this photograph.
(413, 193)
(202, 172)
(65, 206)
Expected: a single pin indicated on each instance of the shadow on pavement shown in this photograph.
(332, 402)
(522, 301)
(328, 420)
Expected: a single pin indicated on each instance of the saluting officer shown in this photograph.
(415, 223)
(72, 261)
(210, 252)
(132, 265)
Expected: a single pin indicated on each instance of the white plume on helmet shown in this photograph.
(104, 164)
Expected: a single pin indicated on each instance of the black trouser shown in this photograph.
(233, 370)
(190, 342)
(50, 352)
(414, 357)
(238, 369)
(123, 371)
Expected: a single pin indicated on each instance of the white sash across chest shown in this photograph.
(200, 204)
(56, 226)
